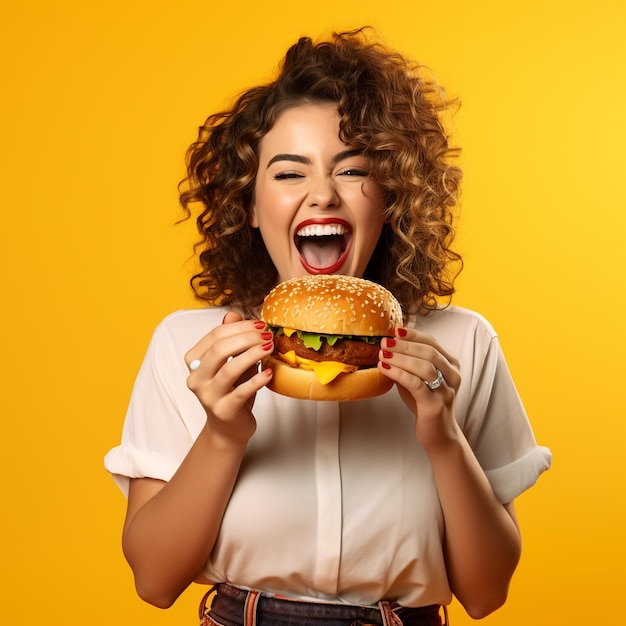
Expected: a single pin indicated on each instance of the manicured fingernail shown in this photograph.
(267, 336)
(391, 342)
(387, 354)
(268, 372)
(268, 345)
(386, 365)
(402, 332)
(260, 324)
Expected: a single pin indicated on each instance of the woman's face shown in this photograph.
(316, 208)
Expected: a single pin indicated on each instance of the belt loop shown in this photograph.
(249, 609)
(389, 617)
(203, 603)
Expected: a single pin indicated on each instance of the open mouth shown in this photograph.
(323, 244)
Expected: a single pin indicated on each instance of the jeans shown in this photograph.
(238, 607)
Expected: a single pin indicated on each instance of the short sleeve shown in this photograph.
(163, 417)
(498, 429)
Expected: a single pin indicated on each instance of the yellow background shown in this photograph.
(99, 102)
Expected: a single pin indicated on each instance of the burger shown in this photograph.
(327, 332)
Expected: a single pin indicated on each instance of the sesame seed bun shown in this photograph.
(296, 382)
(334, 304)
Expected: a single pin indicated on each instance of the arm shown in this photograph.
(170, 528)
(482, 542)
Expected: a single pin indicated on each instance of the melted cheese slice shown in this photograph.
(325, 372)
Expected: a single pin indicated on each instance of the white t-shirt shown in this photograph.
(334, 501)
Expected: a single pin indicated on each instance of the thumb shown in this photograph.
(231, 317)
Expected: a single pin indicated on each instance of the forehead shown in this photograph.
(305, 124)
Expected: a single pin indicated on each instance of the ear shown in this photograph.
(252, 219)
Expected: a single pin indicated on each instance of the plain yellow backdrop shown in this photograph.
(99, 102)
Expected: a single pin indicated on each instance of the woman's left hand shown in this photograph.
(410, 359)
(482, 541)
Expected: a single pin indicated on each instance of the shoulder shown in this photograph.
(193, 317)
(186, 327)
(454, 322)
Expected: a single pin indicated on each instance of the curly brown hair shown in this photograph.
(388, 106)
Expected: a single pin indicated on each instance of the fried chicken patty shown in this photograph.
(348, 351)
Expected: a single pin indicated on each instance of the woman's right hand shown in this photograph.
(228, 375)
(171, 527)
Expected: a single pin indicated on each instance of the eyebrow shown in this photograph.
(299, 158)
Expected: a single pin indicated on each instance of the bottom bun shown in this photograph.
(304, 384)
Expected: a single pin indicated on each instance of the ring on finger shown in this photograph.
(194, 365)
(435, 384)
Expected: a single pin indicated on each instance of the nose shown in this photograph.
(323, 193)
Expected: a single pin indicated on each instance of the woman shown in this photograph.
(302, 512)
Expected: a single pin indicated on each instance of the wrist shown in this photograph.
(443, 446)
(227, 436)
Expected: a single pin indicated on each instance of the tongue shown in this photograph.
(321, 252)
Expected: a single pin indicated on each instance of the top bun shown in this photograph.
(333, 304)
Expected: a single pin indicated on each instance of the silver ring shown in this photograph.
(194, 365)
(435, 384)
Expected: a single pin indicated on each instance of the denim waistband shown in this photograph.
(232, 606)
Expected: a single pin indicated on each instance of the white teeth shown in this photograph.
(321, 230)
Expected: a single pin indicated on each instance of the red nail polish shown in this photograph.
(386, 365)
(402, 332)
(260, 324)
(268, 345)
(267, 336)
(387, 354)
(391, 342)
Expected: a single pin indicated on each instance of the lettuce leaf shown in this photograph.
(314, 340)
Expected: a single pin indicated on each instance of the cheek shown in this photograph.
(373, 212)
(374, 194)
(272, 204)
(263, 204)
(372, 208)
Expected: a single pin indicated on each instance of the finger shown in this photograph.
(229, 389)
(227, 407)
(246, 389)
(233, 356)
(231, 317)
(218, 341)
(421, 360)
(233, 374)
(426, 368)
(418, 337)
(407, 373)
